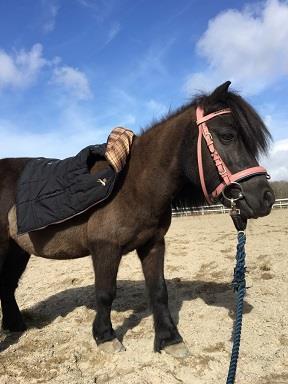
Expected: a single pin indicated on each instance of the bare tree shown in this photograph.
(280, 189)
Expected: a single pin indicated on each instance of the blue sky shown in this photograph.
(72, 70)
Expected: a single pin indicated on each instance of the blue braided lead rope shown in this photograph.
(239, 285)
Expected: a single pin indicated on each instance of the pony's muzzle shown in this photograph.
(268, 198)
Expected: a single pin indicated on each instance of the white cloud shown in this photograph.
(280, 146)
(113, 32)
(51, 11)
(72, 80)
(21, 69)
(277, 161)
(249, 48)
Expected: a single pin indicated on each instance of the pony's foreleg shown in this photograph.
(167, 336)
(4, 248)
(106, 262)
(2, 259)
(13, 266)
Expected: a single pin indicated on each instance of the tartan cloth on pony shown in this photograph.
(118, 147)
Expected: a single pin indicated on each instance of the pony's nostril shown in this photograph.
(269, 198)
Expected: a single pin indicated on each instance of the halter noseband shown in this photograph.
(223, 171)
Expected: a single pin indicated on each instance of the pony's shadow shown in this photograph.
(130, 296)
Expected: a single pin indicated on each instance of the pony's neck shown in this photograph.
(157, 159)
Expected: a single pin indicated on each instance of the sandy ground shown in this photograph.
(57, 298)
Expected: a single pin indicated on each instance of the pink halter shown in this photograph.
(222, 169)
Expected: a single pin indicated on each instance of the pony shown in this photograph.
(163, 171)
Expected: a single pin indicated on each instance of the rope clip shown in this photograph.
(234, 210)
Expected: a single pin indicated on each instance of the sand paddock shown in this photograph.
(57, 300)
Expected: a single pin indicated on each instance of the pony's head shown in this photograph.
(231, 137)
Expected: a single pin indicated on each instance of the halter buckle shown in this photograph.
(234, 210)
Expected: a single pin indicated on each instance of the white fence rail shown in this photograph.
(219, 208)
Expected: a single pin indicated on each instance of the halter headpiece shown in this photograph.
(223, 171)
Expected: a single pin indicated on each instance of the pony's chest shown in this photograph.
(137, 233)
(139, 238)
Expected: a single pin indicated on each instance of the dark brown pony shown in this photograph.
(161, 172)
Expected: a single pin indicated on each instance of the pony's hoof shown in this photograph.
(112, 346)
(177, 350)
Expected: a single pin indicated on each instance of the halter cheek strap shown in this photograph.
(222, 169)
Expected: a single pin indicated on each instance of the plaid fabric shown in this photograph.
(118, 147)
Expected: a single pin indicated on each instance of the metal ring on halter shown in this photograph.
(240, 196)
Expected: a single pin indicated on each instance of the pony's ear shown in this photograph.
(220, 93)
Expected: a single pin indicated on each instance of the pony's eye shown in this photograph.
(227, 136)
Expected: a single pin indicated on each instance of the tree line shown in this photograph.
(280, 189)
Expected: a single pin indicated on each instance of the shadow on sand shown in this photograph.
(130, 296)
